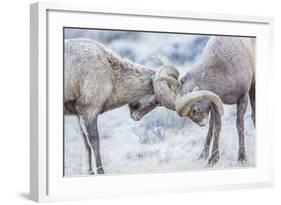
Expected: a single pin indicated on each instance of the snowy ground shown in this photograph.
(161, 141)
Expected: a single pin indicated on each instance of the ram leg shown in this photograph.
(205, 152)
(214, 154)
(88, 147)
(252, 95)
(241, 110)
(93, 136)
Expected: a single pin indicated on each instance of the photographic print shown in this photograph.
(144, 102)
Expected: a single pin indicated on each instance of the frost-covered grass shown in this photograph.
(161, 141)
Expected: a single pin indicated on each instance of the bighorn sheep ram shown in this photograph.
(97, 80)
(227, 68)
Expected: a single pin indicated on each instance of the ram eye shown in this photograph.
(193, 112)
(135, 106)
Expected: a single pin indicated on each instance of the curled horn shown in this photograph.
(166, 89)
(183, 103)
(165, 82)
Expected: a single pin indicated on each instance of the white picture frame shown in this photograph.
(46, 181)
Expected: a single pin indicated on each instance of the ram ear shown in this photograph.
(195, 89)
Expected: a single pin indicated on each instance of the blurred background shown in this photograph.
(161, 141)
(137, 46)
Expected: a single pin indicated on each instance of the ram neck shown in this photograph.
(131, 81)
(138, 80)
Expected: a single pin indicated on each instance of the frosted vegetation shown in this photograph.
(161, 141)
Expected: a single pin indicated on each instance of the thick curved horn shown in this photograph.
(165, 85)
(169, 80)
(183, 103)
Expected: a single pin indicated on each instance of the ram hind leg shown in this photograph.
(241, 110)
(252, 95)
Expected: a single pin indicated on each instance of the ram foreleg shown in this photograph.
(214, 154)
